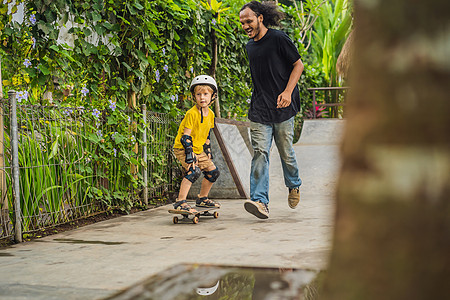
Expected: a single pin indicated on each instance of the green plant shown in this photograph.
(116, 52)
(330, 32)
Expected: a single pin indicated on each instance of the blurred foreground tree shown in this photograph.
(392, 234)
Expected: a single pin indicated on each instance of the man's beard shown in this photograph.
(257, 30)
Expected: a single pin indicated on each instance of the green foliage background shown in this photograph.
(97, 55)
(152, 48)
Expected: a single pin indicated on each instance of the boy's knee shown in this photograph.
(212, 175)
(193, 174)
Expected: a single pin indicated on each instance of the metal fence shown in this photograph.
(59, 164)
(163, 171)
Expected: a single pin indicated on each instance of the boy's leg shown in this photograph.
(206, 187)
(185, 186)
(211, 173)
(186, 183)
(207, 183)
(180, 203)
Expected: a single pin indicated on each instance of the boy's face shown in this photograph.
(202, 96)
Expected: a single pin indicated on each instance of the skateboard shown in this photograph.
(194, 217)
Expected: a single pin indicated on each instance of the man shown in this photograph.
(275, 67)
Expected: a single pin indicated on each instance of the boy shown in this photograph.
(192, 144)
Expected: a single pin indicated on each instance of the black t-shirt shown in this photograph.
(271, 62)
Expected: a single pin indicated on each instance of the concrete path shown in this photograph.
(98, 260)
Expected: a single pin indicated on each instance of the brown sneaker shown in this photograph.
(293, 198)
(257, 208)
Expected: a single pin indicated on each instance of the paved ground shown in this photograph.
(96, 261)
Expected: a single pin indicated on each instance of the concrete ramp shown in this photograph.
(231, 148)
(322, 132)
(318, 160)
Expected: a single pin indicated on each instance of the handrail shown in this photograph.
(313, 90)
(329, 88)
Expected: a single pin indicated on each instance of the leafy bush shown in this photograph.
(101, 54)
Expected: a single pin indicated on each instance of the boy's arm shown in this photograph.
(186, 141)
(207, 146)
(187, 131)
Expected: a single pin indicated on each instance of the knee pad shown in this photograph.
(212, 176)
(193, 174)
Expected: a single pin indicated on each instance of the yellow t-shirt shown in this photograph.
(199, 131)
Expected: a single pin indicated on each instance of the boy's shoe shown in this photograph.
(294, 197)
(205, 202)
(183, 205)
(257, 208)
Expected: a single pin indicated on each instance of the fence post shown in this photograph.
(314, 104)
(144, 153)
(15, 166)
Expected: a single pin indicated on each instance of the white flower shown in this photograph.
(33, 19)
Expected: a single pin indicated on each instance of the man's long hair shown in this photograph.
(268, 9)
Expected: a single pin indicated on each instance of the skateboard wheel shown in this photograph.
(215, 215)
(195, 220)
(175, 220)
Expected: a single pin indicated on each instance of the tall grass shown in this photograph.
(50, 185)
(73, 164)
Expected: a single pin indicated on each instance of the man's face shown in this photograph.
(251, 23)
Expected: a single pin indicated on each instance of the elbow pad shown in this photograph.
(186, 141)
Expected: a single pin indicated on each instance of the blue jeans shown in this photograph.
(262, 136)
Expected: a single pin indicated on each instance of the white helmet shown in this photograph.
(203, 79)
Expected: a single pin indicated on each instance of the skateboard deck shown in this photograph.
(194, 217)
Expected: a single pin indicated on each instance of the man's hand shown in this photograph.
(284, 100)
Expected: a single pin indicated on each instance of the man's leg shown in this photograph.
(259, 173)
(261, 137)
(284, 136)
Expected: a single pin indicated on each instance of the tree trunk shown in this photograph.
(212, 69)
(3, 189)
(133, 128)
(392, 232)
(4, 205)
